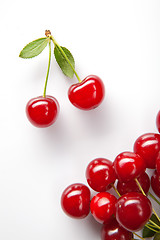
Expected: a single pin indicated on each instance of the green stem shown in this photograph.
(63, 53)
(153, 197)
(151, 225)
(49, 63)
(139, 185)
(154, 224)
(152, 229)
(115, 189)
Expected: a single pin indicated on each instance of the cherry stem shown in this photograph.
(65, 56)
(154, 198)
(49, 63)
(151, 227)
(115, 189)
(138, 236)
(154, 224)
(139, 185)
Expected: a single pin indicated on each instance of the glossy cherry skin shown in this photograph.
(103, 206)
(100, 174)
(132, 186)
(128, 166)
(155, 183)
(158, 163)
(158, 121)
(87, 94)
(75, 200)
(113, 231)
(148, 146)
(133, 210)
(42, 111)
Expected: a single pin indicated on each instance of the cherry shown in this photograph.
(132, 186)
(87, 94)
(128, 166)
(42, 111)
(103, 206)
(133, 210)
(113, 231)
(158, 121)
(148, 146)
(155, 183)
(100, 174)
(75, 200)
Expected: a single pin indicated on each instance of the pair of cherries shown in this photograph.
(132, 210)
(86, 95)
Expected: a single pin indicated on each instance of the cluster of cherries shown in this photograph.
(123, 216)
(87, 94)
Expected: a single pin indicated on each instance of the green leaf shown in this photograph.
(146, 231)
(157, 236)
(34, 48)
(154, 219)
(62, 56)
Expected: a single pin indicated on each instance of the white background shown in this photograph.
(117, 40)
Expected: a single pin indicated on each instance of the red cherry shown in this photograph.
(42, 111)
(113, 231)
(132, 186)
(158, 121)
(75, 200)
(103, 206)
(87, 94)
(128, 166)
(158, 163)
(155, 183)
(148, 146)
(133, 210)
(100, 174)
